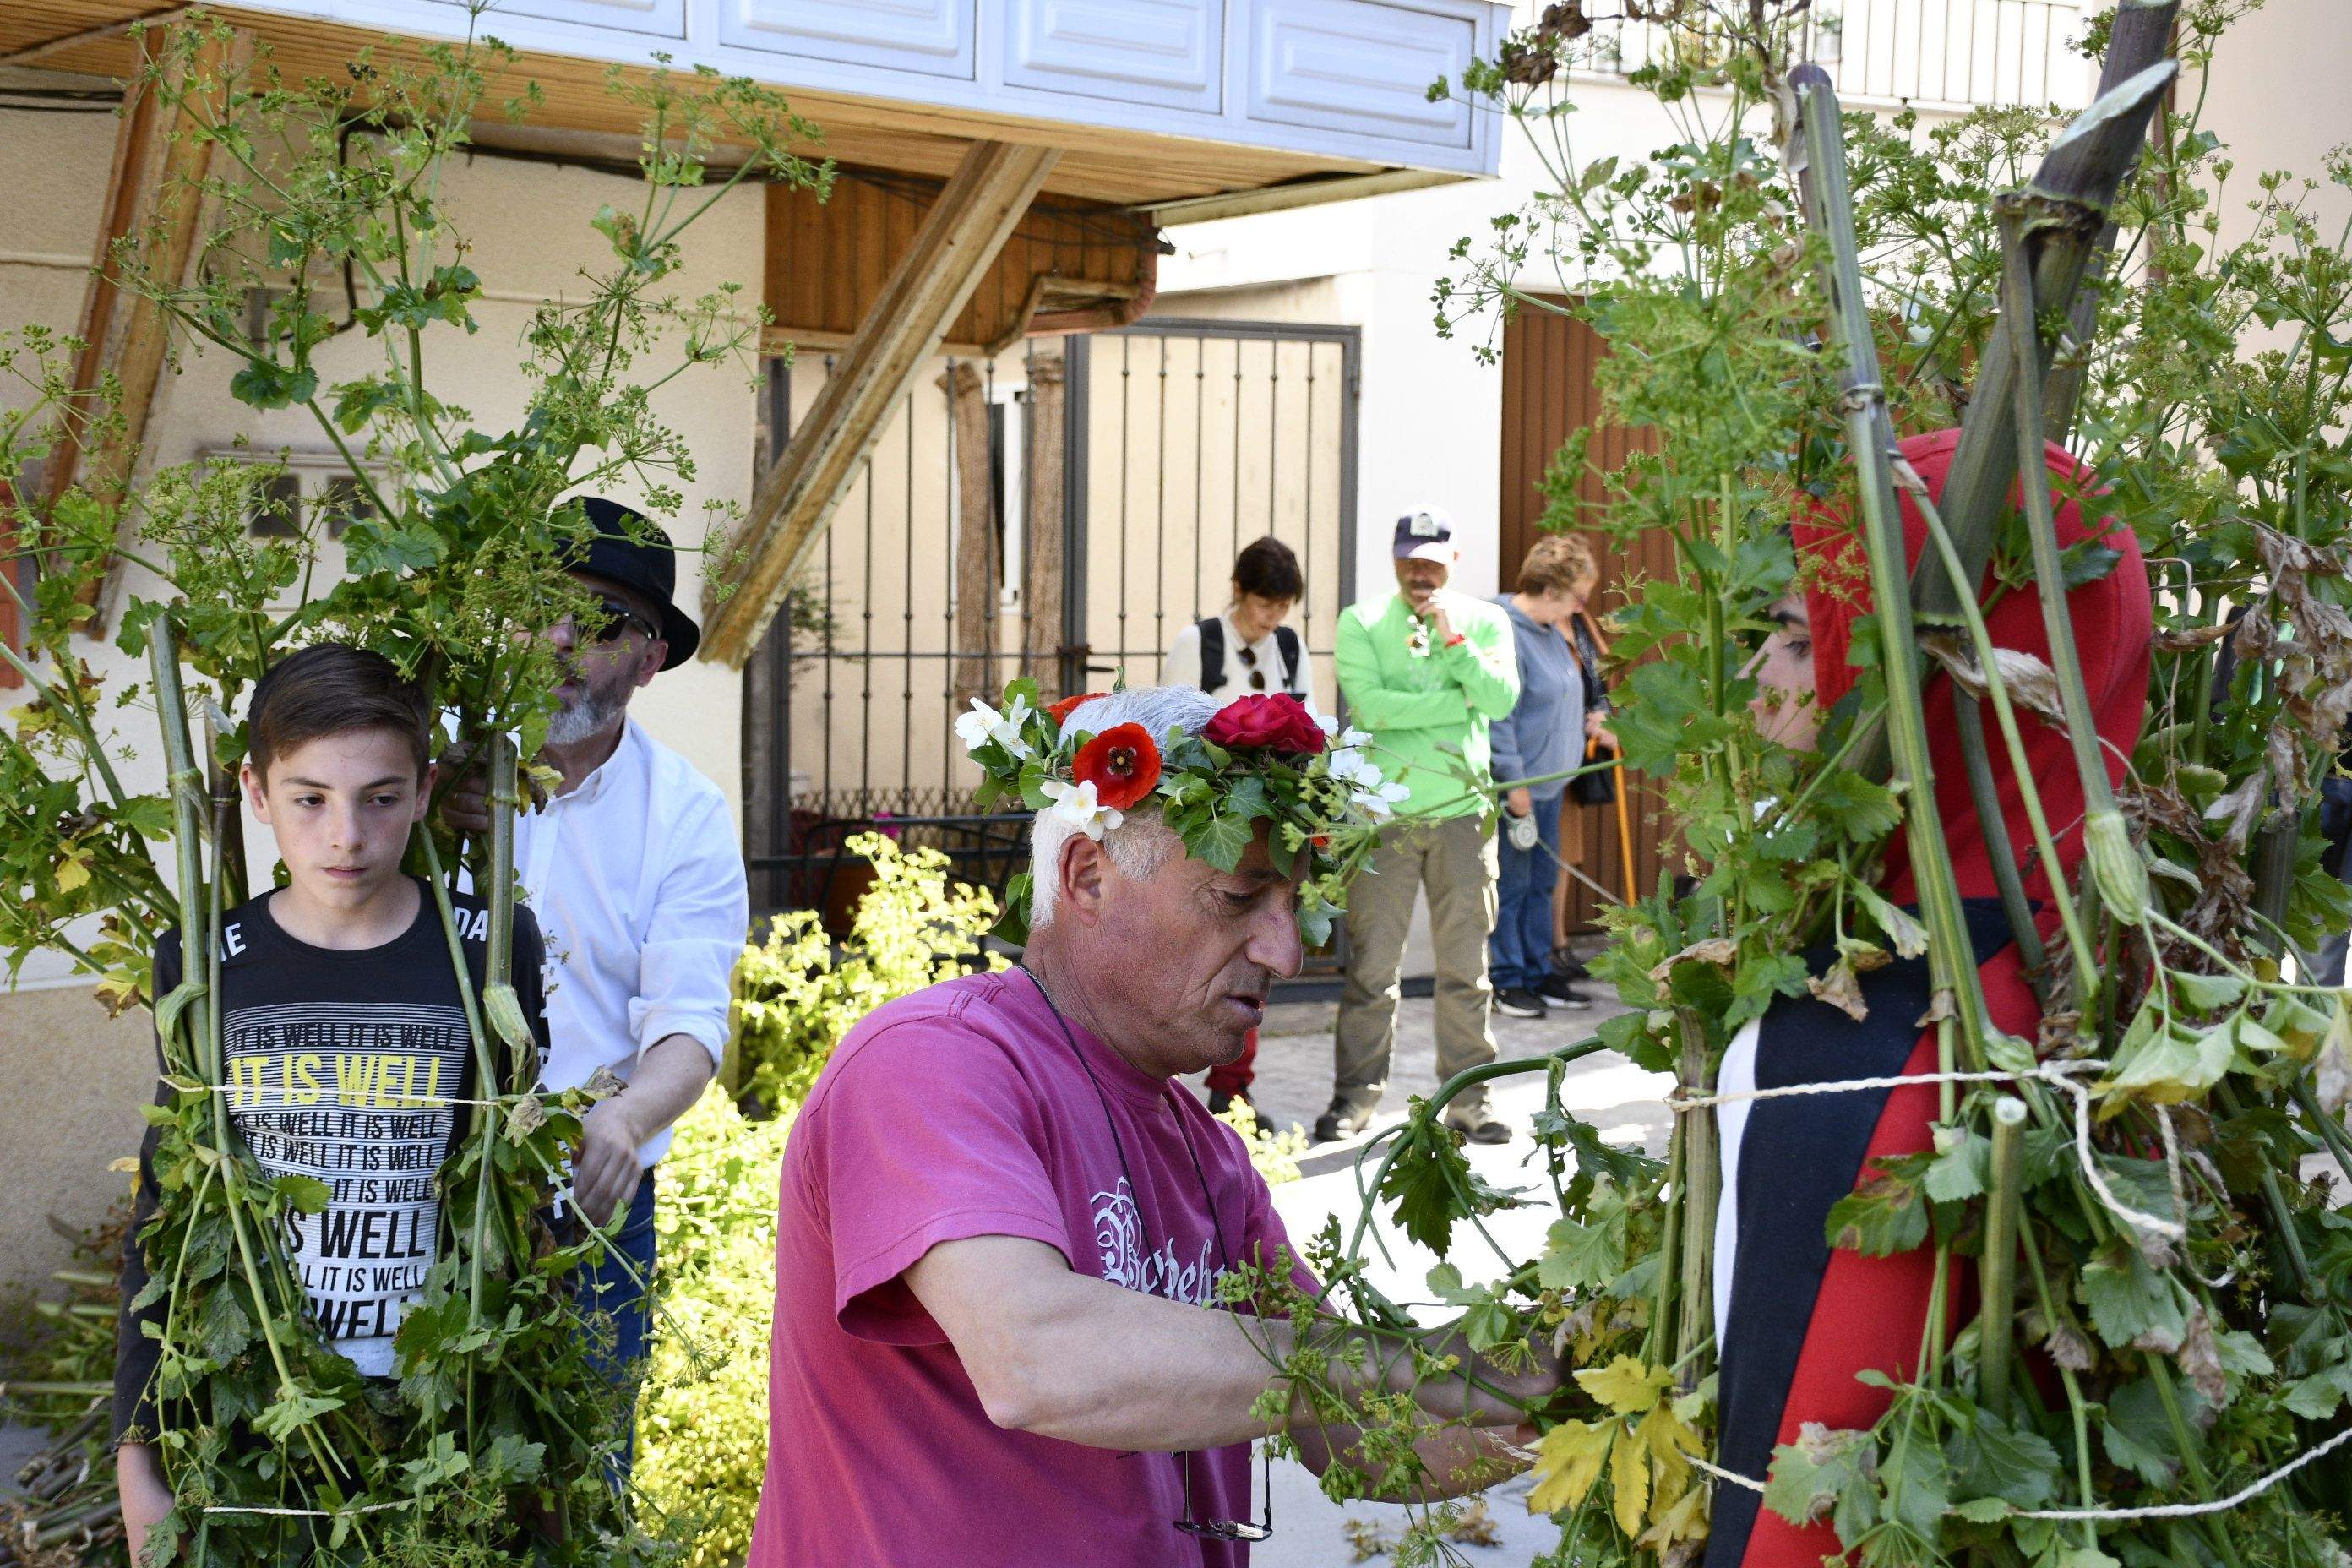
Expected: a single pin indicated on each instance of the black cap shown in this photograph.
(630, 551)
(1426, 533)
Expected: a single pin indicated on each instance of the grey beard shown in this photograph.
(590, 716)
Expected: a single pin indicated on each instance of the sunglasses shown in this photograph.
(617, 618)
(1231, 1530)
(1249, 662)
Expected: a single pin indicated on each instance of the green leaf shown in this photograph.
(2207, 992)
(1422, 1185)
(2132, 1305)
(1884, 1215)
(304, 1195)
(1219, 838)
(1584, 1256)
(263, 383)
(1962, 1165)
(2169, 1066)
(2137, 1436)
(1995, 1460)
(1905, 935)
(1827, 1475)
(221, 1327)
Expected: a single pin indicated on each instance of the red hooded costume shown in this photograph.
(1804, 1320)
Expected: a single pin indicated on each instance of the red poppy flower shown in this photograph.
(1121, 763)
(1277, 723)
(1069, 705)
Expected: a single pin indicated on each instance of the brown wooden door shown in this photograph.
(1548, 395)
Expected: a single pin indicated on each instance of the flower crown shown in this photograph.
(1267, 758)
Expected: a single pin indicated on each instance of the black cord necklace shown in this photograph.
(1210, 1529)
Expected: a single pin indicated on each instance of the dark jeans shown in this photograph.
(617, 1286)
(1520, 949)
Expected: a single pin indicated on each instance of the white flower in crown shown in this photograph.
(1351, 766)
(1379, 801)
(984, 724)
(1076, 804)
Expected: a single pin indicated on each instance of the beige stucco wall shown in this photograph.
(69, 1079)
(2273, 95)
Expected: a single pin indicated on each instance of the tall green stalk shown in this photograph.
(1829, 211)
(2115, 864)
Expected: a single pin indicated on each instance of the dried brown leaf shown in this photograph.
(1716, 949)
(1840, 990)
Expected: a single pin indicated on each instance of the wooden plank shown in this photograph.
(904, 326)
(149, 230)
(1084, 265)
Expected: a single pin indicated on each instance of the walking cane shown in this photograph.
(1625, 838)
(1625, 819)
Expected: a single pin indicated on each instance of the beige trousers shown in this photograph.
(1456, 860)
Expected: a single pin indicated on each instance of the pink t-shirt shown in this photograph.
(960, 1111)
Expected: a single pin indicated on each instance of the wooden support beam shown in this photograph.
(952, 251)
(150, 231)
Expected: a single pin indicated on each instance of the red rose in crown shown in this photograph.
(1279, 722)
(1122, 764)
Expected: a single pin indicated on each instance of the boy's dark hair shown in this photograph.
(1269, 569)
(328, 688)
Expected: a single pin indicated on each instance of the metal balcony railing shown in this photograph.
(1935, 54)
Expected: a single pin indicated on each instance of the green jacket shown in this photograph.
(1428, 713)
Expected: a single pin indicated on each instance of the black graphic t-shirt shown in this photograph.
(344, 1066)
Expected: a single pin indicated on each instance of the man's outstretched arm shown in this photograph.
(1064, 1355)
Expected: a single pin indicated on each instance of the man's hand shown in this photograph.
(1520, 801)
(1494, 1399)
(139, 1483)
(466, 805)
(1432, 611)
(669, 1079)
(605, 1170)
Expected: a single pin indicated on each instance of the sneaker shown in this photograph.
(1221, 1101)
(1516, 1002)
(1344, 1119)
(1556, 992)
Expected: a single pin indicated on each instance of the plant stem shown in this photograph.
(1830, 212)
(1997, 1279)
(2116, 867)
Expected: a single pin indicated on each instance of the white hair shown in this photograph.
(1142, 843)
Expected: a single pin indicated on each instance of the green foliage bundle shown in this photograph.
(327, 195)
(702, 1419)
(2206, 380)
(795, 997)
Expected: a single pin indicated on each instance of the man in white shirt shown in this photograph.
(634, 871)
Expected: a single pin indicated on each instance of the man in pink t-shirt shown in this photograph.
(1002, 1224)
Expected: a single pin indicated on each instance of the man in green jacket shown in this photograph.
(1425, 671)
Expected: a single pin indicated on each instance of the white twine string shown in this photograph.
(316, 1512)
(407, 1101)
(2115, 1515)
(2059, 1074)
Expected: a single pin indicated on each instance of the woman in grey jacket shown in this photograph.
(1544, 734)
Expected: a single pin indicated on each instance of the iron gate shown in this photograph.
(1062, 511)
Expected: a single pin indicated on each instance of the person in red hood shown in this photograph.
(1796, 1322)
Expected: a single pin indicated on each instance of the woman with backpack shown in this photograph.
(1245, 650)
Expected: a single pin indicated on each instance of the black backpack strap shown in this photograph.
(1286, 642)
(1212, 652)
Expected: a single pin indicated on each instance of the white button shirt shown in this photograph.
(637, 880)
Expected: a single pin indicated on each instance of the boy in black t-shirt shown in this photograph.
(344, 1042)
